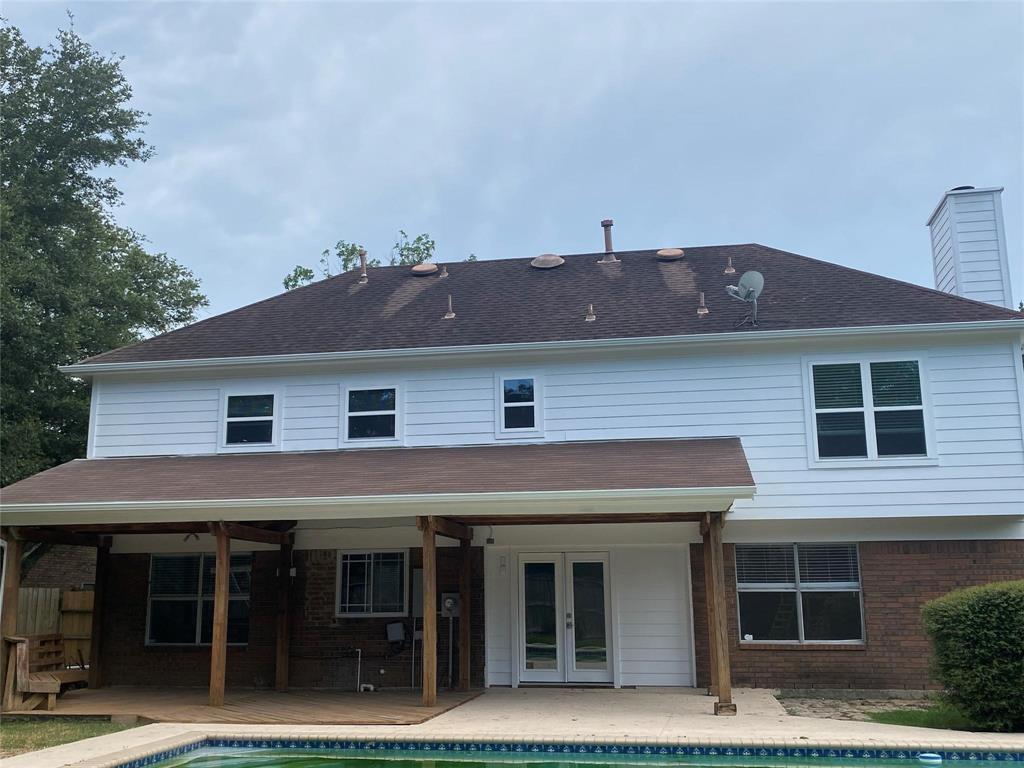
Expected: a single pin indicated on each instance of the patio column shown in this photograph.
(426, 525)
(219, 643)
(9, 619)
(717, 617)
(284, 573)
(465, 607)
(96, 633)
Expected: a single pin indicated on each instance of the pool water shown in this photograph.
(212, 757)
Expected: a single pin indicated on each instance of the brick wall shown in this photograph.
(897, 578)
(323, 647)
(60, 566)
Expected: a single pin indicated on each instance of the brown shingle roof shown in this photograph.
(507, 301)
(619, 465)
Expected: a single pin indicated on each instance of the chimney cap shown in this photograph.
(606, 222)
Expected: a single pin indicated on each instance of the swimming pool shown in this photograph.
(297, 753)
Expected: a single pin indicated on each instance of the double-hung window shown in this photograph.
(249, 420)
(868, 410)
(373, 583)
(371, 414)
(181, 599)
(799, 593)
(518, 406)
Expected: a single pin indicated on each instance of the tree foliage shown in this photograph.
(346, 257)
(73, 283)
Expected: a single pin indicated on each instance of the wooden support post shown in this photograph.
(465, 610)
(709, 599)
(219, 643)
(284, 572)
(429, 612)
(96, 633)
(9, 619)
(717, 617)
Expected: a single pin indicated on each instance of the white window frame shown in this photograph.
(799, 588)
(398, 414)
(198, 597)
(864, 360)
(223, 446)
(537, 430)
(371, 614)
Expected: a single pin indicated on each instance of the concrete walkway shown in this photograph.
(664, 716)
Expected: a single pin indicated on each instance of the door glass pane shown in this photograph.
(540, 616)
(588, 616)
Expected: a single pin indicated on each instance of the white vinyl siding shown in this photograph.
(976, 468)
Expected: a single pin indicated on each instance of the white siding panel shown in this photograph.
(498, 639)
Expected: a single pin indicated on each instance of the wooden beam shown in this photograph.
(429, 611)
(582, 519)
(446, 526)
(60, 536)
(219, 642)
(9, 618)
(96, 633)
(284, 579)
(718, 616)
(465, 612)
(709, 599)
(244, 532)
(114, 529)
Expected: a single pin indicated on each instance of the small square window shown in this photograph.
(372, 583)
(372, 414)
(518, 410)
(249, 420)
(181, 599)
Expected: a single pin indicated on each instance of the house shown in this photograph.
(584, 470)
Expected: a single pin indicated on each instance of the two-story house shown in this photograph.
(594, 469)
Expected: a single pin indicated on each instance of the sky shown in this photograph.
(511, 129)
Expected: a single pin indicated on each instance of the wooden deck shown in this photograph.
(299, 707)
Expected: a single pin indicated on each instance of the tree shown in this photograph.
(73, 283)
(346, 255)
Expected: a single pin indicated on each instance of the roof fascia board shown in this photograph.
(412, 353)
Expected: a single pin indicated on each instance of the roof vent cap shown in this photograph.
(961, 189)
(547, 261)
(670, 254)
(424, 268)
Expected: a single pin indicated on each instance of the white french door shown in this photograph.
(564, 618)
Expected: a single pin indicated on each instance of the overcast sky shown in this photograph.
(508, 130)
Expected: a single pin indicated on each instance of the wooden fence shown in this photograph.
(43, 610)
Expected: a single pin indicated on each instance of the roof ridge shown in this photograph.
(923, 288)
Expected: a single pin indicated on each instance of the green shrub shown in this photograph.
(978, 636)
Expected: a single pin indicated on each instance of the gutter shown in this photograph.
(87, 369)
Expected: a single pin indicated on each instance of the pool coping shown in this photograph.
(854, 750)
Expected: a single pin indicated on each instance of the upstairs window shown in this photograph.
(181, 599)
(250, 420)
(372, 583)
(868, 410)
(799, 593)
(518, 405)
(371, 414)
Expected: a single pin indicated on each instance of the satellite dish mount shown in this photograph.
(750, 286)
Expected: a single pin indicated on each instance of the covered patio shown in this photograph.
(265, 498)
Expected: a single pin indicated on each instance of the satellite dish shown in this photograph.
(750, 286)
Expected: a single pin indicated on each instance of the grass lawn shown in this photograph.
(936, 716)
(30, 734)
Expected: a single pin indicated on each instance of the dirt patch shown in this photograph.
(848, 709)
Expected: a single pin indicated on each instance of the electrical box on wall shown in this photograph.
(450, 604)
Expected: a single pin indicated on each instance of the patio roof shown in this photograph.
(568, 477)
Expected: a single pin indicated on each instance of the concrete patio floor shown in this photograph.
(646, 715)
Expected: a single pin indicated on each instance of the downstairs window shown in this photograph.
(180, 610)
(799, 593)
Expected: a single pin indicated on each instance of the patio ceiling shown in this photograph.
(586, 478)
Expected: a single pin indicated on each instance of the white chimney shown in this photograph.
(969, 245)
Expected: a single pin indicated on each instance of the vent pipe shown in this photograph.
(609, 255)
(362, 266)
